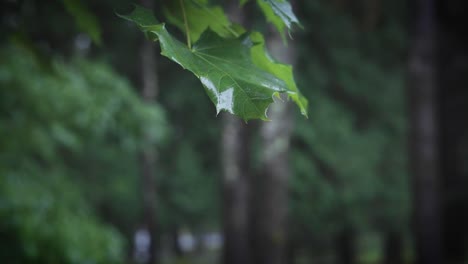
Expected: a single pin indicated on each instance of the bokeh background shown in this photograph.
(110, 153)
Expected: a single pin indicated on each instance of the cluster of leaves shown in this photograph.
(238, 74)
(62, 129)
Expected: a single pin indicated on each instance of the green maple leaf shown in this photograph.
(279, 13)
(233, 81)
(262, 59)
(144, 19)
(199, 17)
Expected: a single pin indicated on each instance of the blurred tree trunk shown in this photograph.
(423, 133)
(235, 190)
(271, 191)
(291, 252)
(453, 96)
(175, 242)
(373, 12)
(235, 184)
(393, 246)
(149, 82)
(345, 246)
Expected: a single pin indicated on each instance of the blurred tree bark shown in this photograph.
(235, 183)
(373, 12)
(345, 244)
(149, 82)
(393, 246)
(235, 190)
(269, 224)
(423, 133)
(453, 98)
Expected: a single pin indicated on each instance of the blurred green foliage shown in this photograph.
(349, 158)
(84, 19)
(190, 167)
(69, 135)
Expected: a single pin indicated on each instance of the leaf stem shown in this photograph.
(187, 30)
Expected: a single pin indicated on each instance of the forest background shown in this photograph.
(111, 153)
